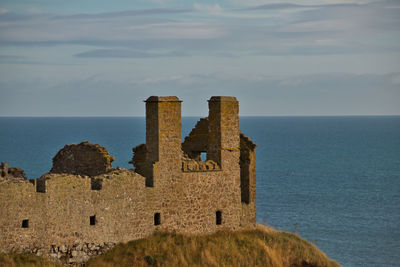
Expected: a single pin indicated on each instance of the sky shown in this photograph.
(279, 58)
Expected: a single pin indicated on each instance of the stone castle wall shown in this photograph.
(71, 216)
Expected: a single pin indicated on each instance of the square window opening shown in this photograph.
(25, 223)
(203, 156)
(93, 220)
(218, 216)
(157, 218)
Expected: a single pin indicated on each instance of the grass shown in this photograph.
(25, 260)
(261, 247)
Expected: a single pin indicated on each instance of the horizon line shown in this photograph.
(195, 116)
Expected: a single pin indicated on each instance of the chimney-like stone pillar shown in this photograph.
(163, 127)
(164, 132)
(224, 131)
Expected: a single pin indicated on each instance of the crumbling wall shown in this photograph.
(197, 141)
(11, 173)
(82, 159)
(83, 207)
(248, 180)
(211, 199)
(71, 221)
(142, 166)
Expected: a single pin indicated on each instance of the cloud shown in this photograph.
(214, 9)
(182, 30)
(396, 79)
(128, 13)
(27, 29)
(255, 3)
(13, 59)
(278, 6)
(8, 57)
(123, 53)
(212, 30)
(117, 59)
(316, 94)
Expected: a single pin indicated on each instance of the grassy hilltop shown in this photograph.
(264, 246)
(24, 260)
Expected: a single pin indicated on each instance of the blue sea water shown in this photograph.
(333, 180)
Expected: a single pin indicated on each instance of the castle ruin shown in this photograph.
(83, 206)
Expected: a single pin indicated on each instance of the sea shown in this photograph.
(334, 181)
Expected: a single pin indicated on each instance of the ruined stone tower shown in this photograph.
(172, 187)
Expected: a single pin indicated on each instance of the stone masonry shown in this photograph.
(83, 206)
(82, 159)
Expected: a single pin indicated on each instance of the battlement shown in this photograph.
(84, 205)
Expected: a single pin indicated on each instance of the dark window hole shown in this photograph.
(93, 220)
(218, 215)
(25, 224)
(157, 218)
